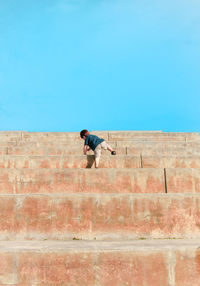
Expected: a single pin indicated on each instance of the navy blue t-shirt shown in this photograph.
(92, 141)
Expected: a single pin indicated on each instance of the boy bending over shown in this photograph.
(96, 144)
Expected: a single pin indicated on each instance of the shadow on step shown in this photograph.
(90, 161)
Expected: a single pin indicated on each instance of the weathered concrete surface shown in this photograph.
(62, 162)
(170, 162)
(28, 136)
(54, 150)
(60, 149)
(82, 181)
(58, 136)
(10, 136)
(179, 151)
(64, 147)
(154, 144)
(125, 143)
(106, 161)
(183, 180)
(107, 135)
(141, 263)
(167, 136)
(41, 203)
(90, 216)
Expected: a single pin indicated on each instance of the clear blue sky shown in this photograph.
(67, 65)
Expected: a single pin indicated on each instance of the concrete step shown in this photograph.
(183, 180)
(70, 161)
(75, 149)
(165, 136)
(143, 180)
(99, 216)
(170, 161)
(156, 144)
(107, 135)
(57, 150)
(114, 144)
(44, 136)
(21, 181)
(60, 137)
(81, 161)
(163, 152)
(11, 136)
(144, 138)
(82, 263)
(11, 132)
(112, 134)
(104, 134)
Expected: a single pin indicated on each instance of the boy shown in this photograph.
(96, 144)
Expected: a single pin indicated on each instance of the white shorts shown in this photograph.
(97, 151)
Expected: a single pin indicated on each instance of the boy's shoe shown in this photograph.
(113, 153)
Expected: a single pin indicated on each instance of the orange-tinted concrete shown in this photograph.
(183, 180)
(58, 136)
(105, 269)
(7, 216)
(126, 143)
(78, 150)
(107, 135)
(99, 227)
(82, 181)
(54, 150)
(56, 268)
(8, 270)
(105, 264)
(154, 144)
(170, 162)
(115, 217)
(133, 269)
(183, 137)
(187, 269)
(162, 151)
(62, 162)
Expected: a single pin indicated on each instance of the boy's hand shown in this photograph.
(85, 149)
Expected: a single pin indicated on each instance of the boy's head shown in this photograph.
(84, 133)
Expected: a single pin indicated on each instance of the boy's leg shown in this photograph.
(105, 146)
(96, 162)
(109, 148)
(97, 155)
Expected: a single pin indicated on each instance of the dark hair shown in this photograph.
(83, 133)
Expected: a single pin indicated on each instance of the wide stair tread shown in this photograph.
(134, 221)
(152, 263)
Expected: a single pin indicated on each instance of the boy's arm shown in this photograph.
(85, 149)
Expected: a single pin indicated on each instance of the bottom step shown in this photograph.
(86, 263)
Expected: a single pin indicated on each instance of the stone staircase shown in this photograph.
(134, 221)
